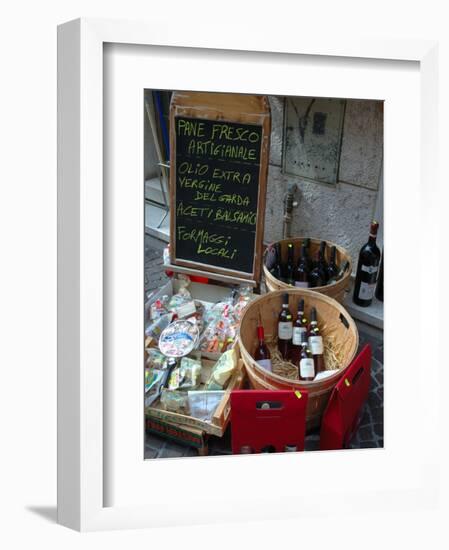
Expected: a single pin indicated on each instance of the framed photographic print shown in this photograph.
(223, 216)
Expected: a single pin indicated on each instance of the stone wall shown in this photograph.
(341, 212)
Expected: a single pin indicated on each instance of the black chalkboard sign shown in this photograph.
(217, 168)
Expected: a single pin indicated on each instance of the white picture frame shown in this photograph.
(85, 447)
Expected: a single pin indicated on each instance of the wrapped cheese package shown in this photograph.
(222, 371)
(187, 376)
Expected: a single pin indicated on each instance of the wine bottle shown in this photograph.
(262, 354)
(290, 265)
(276, 270)
(380, 281)
(306, 364)
(309, 262)
(322, 261)
(315, 341)
(332, 269)
(340, 273)
(285, 329)
(299, 327)
(367, 268)
(301, 274)
(270, 257)
(317, 277)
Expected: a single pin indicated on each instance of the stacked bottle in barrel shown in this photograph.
(299, 342)
(306, 272)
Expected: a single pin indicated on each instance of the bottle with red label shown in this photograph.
(315, 341)
(367, 269)
(262, 354)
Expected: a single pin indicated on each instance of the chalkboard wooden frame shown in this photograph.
(232, 108)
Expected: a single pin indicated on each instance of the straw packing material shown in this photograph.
(333, 355)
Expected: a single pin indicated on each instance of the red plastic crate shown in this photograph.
(341, 417)
(262, 419)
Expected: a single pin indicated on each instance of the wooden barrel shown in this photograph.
(335, 290)
(336, 325)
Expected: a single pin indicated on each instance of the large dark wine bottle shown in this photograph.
(380, 281)
(367, 268)
(285, 329)
(262, 354)
(301, 274)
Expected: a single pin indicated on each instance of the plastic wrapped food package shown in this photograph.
(183, 305)
(156, 328)
(203, 404)
(175, 401)
(159, 308)
(219, 329)
(186, 309)
(222, 371)
(198, 315)
(242, 299)
(216, 336)
(222, 321)
(180, 298)
(183, 280)
(220, 310)
(154, 379)
(155, 359)
(157, 294)
(187, 376)
(179, 339)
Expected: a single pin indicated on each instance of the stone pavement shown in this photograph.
(154, 272)
(369, 434)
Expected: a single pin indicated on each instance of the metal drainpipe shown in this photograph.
(289, 204)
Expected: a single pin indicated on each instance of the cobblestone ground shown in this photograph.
(370, 433)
